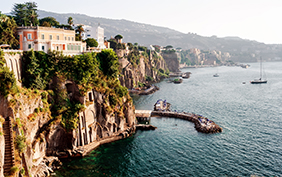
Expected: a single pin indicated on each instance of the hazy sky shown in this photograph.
(259, 20)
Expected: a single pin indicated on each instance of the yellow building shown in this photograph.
(44, 38)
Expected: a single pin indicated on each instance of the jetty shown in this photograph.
(202, 124)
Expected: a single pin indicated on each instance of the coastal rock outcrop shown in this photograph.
(147, 68)
(45, 136)
(171, 61)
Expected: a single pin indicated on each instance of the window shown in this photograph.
(58, 37)
(29, 46)
(28, 36)
(65, 38)
(42, 48)
(51, 37)
(42, 36)
(69, 38)
(72, 39)
(57, 47)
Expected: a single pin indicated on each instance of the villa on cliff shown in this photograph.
(96, 33)
(47, 38)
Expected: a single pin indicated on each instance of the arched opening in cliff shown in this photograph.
(114, 128)
(90, 95)
(90, 134)
(79, 135)
(99, 132)
(70, 88)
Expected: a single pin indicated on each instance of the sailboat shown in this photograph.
(260, 80)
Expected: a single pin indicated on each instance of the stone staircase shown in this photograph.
(9, 159)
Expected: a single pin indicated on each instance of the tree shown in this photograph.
(79, 29)
(70, 21)
(168, 47)
(108, 63)
(118, 37)
(113, 43)
(8, 83)
(46, 24)
(8, 31)
(130, 46)
(25, 14)
(90, 42)
(51, 20)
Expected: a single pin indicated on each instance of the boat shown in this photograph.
(215, 75)
(260, 80)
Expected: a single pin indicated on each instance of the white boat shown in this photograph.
(216, 75)
(260, 80)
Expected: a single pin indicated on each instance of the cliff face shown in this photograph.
(199, 57)
(171, 61)
(45, 136)
(147, 67)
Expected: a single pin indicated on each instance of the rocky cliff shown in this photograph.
(171, 61)
(200, 57)
(148, 67)
(45, 136)
(69, 117)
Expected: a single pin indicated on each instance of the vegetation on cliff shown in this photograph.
(8, 83)
(90, 70)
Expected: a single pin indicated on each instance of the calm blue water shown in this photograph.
(250, 144)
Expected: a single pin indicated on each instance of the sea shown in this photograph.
(250, 144)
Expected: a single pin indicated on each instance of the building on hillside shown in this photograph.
(47, 38)
(96, 33)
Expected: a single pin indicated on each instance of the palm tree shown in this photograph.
(70, 21)
(79, 29)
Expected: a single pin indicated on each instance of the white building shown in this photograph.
(94, 32)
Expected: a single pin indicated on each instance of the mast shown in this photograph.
(260, 68)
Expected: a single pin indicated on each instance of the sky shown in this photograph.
(259, 20)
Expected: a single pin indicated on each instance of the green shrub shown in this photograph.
(14, 170)
(140, 84)
(22, 171)
(8, 83)
(36, 110)
(113, 100)
(2, 59)
(121, 91)
(20, 143)
(44, 95)
(149, 78)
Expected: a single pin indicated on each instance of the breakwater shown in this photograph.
(202, 124)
